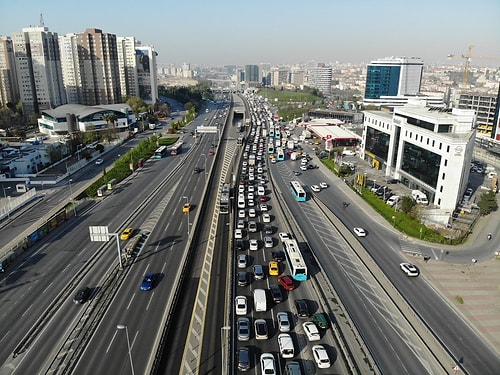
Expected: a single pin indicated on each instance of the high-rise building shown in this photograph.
(9, 89)
(392, 80)
(485, 106)
(38, 68)
(127, 63)
(146, 73)
(320, 77)
(98, 68)
(252, 77)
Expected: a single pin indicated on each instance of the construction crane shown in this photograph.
(468, 59)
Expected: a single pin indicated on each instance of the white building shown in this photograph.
(320, 77)
(427, 148)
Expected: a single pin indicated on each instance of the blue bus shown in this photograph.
(294, 259)
(161, 152)
(297, 191)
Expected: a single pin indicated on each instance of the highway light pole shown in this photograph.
(71, 193)
(124, 327)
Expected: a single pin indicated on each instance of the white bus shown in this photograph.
(224, 199)
(294, 259)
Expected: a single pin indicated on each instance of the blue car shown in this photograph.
(148, 281)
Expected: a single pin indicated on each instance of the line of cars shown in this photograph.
(279, 287)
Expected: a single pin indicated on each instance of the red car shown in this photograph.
(211, 152)
(262, 198)
(286, 282)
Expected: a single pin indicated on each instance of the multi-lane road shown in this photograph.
(50, 334)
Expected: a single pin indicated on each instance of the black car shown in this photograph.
(244, 358)
(302, 308)
(82, 295)
(242, 279)
(268, 229)
(239, 245)
(311, 166)
(276, 293)
(196, 170)
(393, 181)
(278, 256)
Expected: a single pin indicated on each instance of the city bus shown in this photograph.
(294, 259)
(161, 152)
(224, 199)
(175, 149)
(297, 191)
(281, 154)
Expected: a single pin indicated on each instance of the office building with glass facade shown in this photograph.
(427, 148)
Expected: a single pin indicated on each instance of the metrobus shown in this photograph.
(294, 259)
(270, 149)
(175, 149)
(239, 142)
(224, 199)
(271, 133)
(281, 154)
(297, 190)
(160, 152)
(277, 133)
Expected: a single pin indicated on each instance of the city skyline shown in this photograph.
(281, 32)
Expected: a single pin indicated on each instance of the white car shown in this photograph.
(241, 214)
(283, 322)
(409, 269)
(348, 153)
(360, 232)
(267, 365)
(321, 356)
(242, 261)
(311, 331)
(99, 161)
(241, 305)
(252, 212)
(315, 188)
(283, 236)
(238, 233)
(323, 185)
(240, 224)
(266, 218)
(263, 207)
(303, 167)
(268, 242)
(254, 244)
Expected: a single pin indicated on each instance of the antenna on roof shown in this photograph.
(41, 20)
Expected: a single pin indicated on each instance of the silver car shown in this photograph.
(243, 328)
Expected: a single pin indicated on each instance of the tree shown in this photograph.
(406, 204)
(488, 202)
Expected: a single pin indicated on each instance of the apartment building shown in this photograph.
(9, 88)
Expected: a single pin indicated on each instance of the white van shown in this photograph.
(285, 344)
(259, 300)
(419, 197)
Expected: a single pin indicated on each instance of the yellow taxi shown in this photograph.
(274, 269)
(127, 233)
(186, 207)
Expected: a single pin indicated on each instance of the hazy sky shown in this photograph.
(218, 32)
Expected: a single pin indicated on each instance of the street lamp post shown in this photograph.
(71, 193)
(394, 220)
(8, 204)
(188, 223)
(223, 348)
(121, 327)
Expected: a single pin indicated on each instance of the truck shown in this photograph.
(259, 300)
(419, 197)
